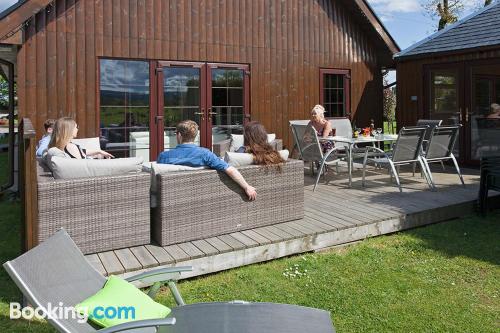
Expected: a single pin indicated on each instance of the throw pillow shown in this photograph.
(91, 144)
(242, 159)
(120, 302)
(69, 168)
(237, 141)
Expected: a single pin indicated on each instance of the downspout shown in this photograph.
(10, 181)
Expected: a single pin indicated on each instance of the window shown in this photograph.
(334, 94)
(124, 107)
(444, 92)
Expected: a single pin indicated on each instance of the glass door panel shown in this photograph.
(124, 107)
(227, 101)
(445, 99)
(485, 124)
(181, 100)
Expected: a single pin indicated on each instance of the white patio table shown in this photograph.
(350, 142)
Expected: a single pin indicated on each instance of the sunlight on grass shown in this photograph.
(439, 278)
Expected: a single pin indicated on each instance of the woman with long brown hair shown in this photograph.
(66, 129)
(255, 142)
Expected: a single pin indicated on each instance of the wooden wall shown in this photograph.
(410, 79)
(285, 43)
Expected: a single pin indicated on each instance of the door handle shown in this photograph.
(467, 115)
(460, 120)
(202, 114)
(158, 118)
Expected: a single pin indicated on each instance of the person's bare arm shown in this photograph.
(238, 178)
(328, 129)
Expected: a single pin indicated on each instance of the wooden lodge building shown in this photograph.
(129, 70)
(454, 75)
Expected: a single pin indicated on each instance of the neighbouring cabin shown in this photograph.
(454, 75)
(128, 71)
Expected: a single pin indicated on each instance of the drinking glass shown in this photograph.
(378, 131)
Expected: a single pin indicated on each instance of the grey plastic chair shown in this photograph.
(311, 151)
(440, 148)
(56, 271)
(407, 150)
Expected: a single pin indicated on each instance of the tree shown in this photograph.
(389, 102)
(448, 11)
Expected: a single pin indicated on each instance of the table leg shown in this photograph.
(350, 165)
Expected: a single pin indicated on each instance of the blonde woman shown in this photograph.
(321, 125)
(66, 129)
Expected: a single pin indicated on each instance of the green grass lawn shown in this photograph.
(440, 278)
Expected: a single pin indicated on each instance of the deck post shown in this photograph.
(28, 185)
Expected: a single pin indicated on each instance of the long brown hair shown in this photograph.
(255, 141)
(62, 132)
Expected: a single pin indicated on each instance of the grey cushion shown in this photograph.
(237, 141)
(69, 168)
(242, 159)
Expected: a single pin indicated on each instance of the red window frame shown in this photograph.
(347, 87)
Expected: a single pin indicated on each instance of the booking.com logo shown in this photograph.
(69, 312)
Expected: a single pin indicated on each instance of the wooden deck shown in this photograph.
(334, 215)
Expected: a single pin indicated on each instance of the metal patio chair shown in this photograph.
(311, 151)
(490, 180)
(56, 271)
(298, 128)
(440, 149)
(406, 150)
(431, 123)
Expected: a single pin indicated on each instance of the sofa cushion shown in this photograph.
(242, 159)
(69, 168)
(237, 141)
(91, 144)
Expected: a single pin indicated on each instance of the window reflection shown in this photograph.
(124, 107)
(227, 103)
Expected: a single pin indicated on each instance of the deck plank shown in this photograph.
(205, 247)
(191, 250)
(265, 232)
(249, 242)
(218, 244)
(128, 260)
(111, 263)
(256, 236)
(232, 242)
(94, 260)
(144, 257)
(176, 252)
(160, 254)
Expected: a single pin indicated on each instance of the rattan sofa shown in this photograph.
(100, 213)
(201, 204)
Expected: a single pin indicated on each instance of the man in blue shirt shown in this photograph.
(187, 153)
(43, 144)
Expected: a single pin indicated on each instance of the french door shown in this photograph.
(463, 94)
(445, 100)
(215, 96)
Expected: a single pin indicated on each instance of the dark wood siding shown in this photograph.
(285, 43)
(410, 79)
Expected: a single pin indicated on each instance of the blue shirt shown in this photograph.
(192, 155)
(43, 145)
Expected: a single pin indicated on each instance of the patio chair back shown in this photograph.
(432, 123)
(442, 142)
(409, 144)
(53, 272)
(342, 127)
(309, 146)
(298, 128)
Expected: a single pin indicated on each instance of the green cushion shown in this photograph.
(118, 300)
